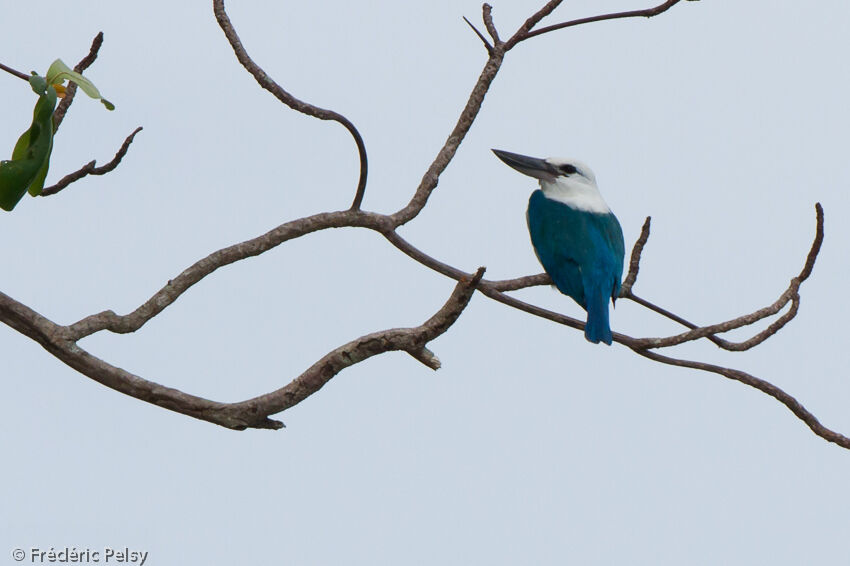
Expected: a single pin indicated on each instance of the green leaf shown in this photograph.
(21, 146)
(38, 84)
(38, 181)
(15, 177)
(59, 72)
(27, 169)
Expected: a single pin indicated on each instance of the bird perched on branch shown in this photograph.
(576, 237)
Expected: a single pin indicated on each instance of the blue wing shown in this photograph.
(583, 254)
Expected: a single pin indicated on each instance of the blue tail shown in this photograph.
(598, 328)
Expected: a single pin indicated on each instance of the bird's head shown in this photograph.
(565, 180)
(551, 169)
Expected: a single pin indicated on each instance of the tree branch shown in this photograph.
(71, 90)
(791, 294)
(764, 386)
(645, 13)
(15, 72)
(487, 16)
(480, 36)
(634, 261)
(305, 108)
(495, 290)
(253, 413)
(108, 320)
(447, 152)
(90, 169)
(61, 341)
(522, 33)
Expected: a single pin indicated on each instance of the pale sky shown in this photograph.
(724, 121)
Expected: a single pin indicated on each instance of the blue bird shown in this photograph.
(576, 237)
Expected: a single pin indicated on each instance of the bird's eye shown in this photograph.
(568, 169)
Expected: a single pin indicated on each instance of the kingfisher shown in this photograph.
(576, 237)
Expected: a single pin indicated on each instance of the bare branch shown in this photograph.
(468, 115)
(123, 324)
(791, 294)
(494, 290)
(447, 152)
(253, 413)
(487, 16)
(521, 282)
(305, 108)
(490, 289)
(522, 33)
(401, 339)
(764, 386)
(85, 63)
(634, 261)
(90, 169)
(15, 72)
(815, 249)
(480, 36)
(646, 13)
(61, 341)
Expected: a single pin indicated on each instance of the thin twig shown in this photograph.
(90, 169)
(305, 108)
(480, 36)
(816, 245)
(646, 13)
(71, 90)
(634, 261)
(15, 72)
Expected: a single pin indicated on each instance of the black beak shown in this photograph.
(531, 166)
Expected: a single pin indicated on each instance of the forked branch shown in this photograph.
(61, 341)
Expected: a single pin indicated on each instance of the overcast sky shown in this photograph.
(724, 121)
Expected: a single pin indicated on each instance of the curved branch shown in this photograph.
(790, 294)
(90, 169)
(494, 290)
(253, 413)
(764, 386)
(411, 340)
(305, 108)
(123, 324)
